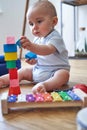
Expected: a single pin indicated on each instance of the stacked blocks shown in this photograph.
(4, 65)
(10, 50)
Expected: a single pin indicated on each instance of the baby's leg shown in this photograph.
(23, 74)
(60, 78)
(4, 80)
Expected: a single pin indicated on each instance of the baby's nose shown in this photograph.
(35, 27)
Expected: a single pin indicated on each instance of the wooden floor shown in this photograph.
(46, 119)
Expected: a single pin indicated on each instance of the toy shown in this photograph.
(41, 102)
(47, 97)
(39, 97)
(73, 95)
(10, 50)
(80, 93)
(83, 87)
(30, 55)
(5, 65)
(64, 95)
(12, 98)
(18, 43)
(56, 96)
(11, 40)
(21, 98)
(30, 98)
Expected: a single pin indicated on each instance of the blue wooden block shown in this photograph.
(10, 48)
(30, 55)
(18, 43)
(18, 63)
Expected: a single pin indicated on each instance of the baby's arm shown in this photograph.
(37, 48)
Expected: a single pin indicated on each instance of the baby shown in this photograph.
(51, 69)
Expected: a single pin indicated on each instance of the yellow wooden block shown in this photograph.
(10, 56)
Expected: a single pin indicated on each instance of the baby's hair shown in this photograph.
(46, 6)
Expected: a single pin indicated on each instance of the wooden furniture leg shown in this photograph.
(24, 24)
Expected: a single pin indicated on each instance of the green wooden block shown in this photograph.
(11, 64)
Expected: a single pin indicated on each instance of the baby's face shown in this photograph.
(41, 23)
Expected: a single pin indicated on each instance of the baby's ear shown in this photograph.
(55, 20)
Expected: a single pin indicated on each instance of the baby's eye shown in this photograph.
(39, 21)
(31, 24)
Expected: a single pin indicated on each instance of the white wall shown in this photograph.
(11, 19)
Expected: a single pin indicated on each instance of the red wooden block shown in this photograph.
(10, 40)
(13, 73)
(14, 90)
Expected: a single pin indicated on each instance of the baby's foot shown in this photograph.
(39, 88)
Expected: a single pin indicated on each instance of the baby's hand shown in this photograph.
(31, 62)
(25, 42)
(39, 88)
(31, 58)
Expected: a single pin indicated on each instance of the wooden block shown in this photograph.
(30, 55)
(4, 103)
(10, 56)
(10, 48)
(11, 64)
(14, 82)
(13, 73)
(10, 40)
(18, 43)
(14, 90)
